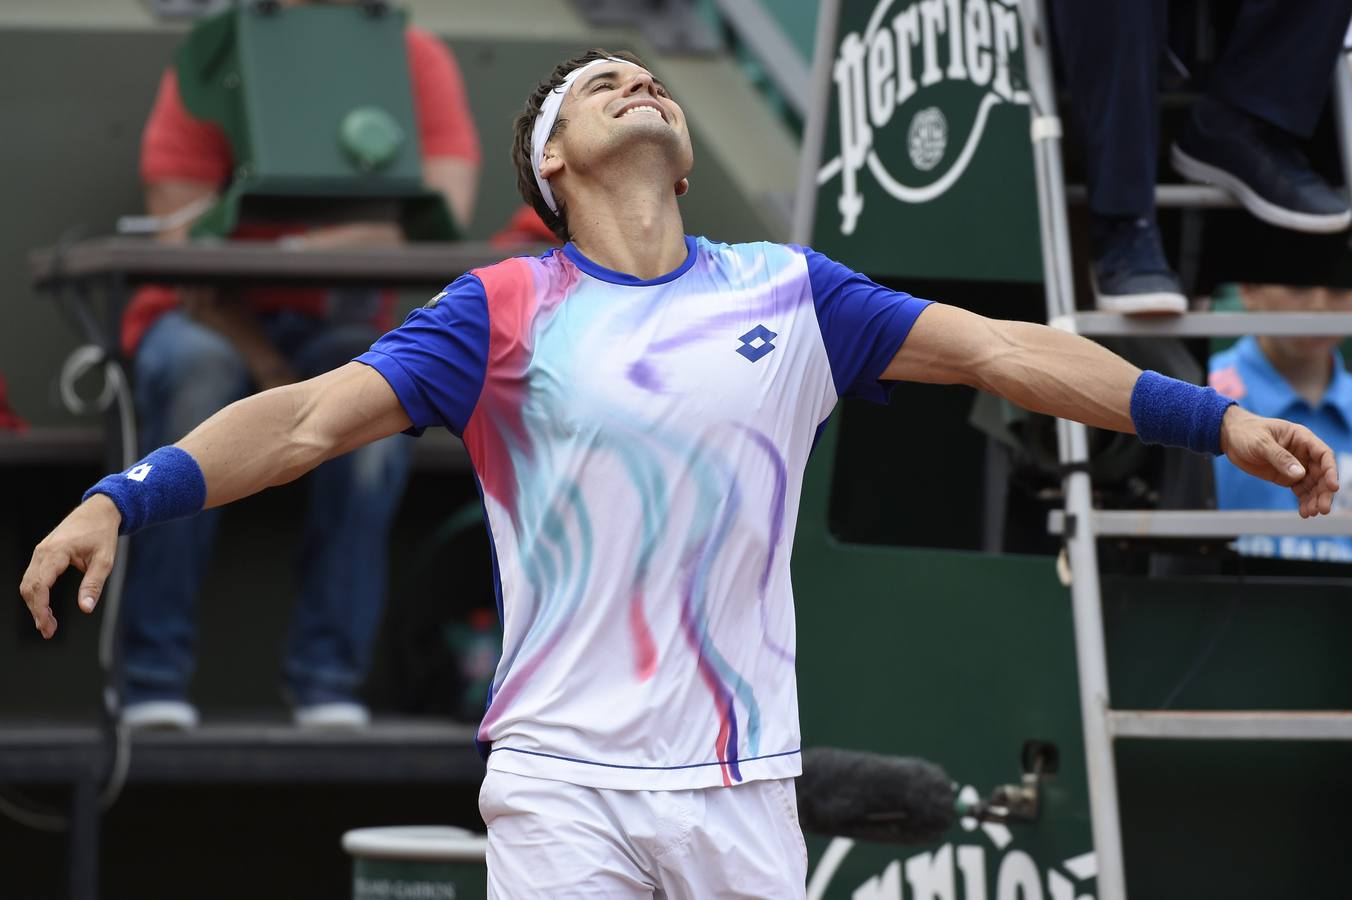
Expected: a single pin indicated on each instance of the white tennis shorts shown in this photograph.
(550, 840)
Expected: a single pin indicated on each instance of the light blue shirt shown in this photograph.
(1244, 374)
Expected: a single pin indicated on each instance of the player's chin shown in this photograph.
(646, 125)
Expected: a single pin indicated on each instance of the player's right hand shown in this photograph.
(85, 539)
(1284, 453)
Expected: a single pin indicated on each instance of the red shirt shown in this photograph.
(525, 227)
(9, 419)
(175, 145)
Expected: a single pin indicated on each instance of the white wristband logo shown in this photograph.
(140, 472)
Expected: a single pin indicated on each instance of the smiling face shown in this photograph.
(592, 103)
(612, 111)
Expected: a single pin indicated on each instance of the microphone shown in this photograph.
(873, 797)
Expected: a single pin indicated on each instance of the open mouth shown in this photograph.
(642, 109)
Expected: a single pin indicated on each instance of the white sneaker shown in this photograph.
(164, 715)
(338, 715)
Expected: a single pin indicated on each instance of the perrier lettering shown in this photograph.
(903, 51)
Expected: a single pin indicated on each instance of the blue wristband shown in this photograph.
(1177, 414)
(167, 484)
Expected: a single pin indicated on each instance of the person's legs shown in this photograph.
(345, 546)
(548, 840)
(746, 843)
(1110, 52)
(1269, 89)
(553, 839)
(1278, 62)
(183, 372)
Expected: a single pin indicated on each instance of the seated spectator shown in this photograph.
(1302, 379)
(195, 351)
(523, 228)
(1266, 93)
(9, 419)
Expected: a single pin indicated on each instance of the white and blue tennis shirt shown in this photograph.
(640, 448)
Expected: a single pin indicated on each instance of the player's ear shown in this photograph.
(682, 186)
(551, 163)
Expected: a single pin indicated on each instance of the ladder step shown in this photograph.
(1190, 196)
(1208, 324)
(1231, 726)
(1204, 523)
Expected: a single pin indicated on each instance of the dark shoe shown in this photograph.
(1260, 165)
(1130, 274)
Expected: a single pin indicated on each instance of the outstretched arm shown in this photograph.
(264, 440)
(277, 436)
(1050, 371)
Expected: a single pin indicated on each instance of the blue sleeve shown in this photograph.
(863, 325)
(436, 360)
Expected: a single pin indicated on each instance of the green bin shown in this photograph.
(417, 862)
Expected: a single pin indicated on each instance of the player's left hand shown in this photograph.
(1284, 453)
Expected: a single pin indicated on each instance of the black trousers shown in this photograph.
(1277, 65)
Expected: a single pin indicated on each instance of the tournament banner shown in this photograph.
(926, 170)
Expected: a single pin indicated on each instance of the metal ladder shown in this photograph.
(1082, 524)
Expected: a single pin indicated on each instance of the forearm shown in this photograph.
(352, 234)
(457, 180)
(1050, 371)
(237, 324)
(278, 435)
(255, 443)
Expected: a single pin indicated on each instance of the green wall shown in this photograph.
(798, 18)
(962, 657)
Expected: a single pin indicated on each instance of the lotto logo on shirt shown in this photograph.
(756, 343)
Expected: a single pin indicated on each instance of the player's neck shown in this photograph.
(635, 229)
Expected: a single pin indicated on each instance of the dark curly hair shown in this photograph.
(525, 125)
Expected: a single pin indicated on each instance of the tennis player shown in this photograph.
(639, 407)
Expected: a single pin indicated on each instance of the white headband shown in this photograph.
(544, 124)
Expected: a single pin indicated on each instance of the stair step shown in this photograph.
(1191, 196)
(1207, 324)
(1231, 726)
(1205, 523)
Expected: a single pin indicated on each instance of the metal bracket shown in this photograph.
(1045, 128)
(1020, 803)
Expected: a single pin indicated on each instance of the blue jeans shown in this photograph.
(185, 372)
(1275, 66)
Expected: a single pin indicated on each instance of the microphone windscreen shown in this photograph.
(873, 797)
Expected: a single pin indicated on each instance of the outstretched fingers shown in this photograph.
(1315, 491)
(43, 570)
(100, 565)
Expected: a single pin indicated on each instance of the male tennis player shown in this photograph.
(639, 408)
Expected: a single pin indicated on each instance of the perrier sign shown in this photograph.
(926, 166)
